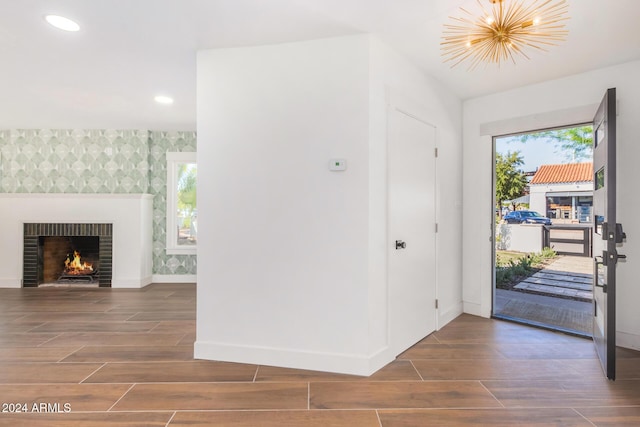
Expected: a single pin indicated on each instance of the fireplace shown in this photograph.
(69, 259)
(67, 253)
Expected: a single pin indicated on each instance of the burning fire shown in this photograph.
(76, 266)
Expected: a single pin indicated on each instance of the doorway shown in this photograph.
(543, 198)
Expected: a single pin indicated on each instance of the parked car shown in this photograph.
(526, 217)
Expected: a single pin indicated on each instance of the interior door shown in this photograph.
(607, 234)
(411, 230)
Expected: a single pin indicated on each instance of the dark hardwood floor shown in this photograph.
(125, 358)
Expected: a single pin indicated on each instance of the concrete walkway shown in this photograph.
(559, 296)
(566, 277)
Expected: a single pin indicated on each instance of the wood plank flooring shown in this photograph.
(125, 358)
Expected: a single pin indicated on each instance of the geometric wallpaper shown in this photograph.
(75, 161)
(160, 143)
(97, 161)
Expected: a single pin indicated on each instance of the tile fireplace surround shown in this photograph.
(33, 232)
(129, 217)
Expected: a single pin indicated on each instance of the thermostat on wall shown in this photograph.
(337, 164)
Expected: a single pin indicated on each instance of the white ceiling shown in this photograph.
(127, 51)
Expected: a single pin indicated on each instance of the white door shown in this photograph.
(412, 230)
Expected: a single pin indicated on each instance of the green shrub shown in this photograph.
(521, 267)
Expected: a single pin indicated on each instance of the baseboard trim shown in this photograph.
(446, 316)
(10, 283)
(627, 340)
(472, 308)
(131, 283)
(174, 278)
(297, 359)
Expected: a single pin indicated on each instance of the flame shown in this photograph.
(76, 266)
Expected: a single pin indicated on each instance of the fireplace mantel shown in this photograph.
(130, 214)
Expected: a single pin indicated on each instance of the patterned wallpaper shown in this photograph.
(74, 161)
(97, 161)
(159, 144)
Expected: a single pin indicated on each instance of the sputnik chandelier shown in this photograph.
(505, 31)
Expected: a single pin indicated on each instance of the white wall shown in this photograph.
(394, 80)
(130, 215)
(292, 261)
(565, 101)
(519, 237)
(538, 199)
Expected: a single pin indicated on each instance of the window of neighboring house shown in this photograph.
(182, 211)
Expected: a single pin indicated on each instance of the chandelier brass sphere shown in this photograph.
(503, 32)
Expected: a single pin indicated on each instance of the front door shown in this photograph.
(411, 230)
(607, 234)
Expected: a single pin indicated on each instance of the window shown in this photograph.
(182, 211)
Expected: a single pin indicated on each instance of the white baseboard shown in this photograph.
(627, 340)
(472, 308)
(174, 278)
(447, 315)
(297, 359)
(130, 283)
(10, 283)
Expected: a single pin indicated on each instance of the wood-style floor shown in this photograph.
(125, 358)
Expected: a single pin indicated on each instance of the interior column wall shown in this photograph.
(282, 248)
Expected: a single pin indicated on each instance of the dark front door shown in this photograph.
(607, 234)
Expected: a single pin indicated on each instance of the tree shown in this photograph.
(510, 181)
(577, 142)
(187, 174)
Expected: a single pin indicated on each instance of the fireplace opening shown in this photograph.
(69, 259)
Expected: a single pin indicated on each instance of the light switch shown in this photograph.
(337, 164)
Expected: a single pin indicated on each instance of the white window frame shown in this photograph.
(173, 160)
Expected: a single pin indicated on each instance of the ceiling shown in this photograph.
(128, 51)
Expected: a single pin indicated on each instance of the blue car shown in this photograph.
(526, 217)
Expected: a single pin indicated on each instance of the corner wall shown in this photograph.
(294, 255)
(570, 100)
(285, 250)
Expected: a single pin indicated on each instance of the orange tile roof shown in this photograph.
(571, 172)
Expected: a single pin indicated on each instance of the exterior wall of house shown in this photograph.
(550, 104)
(98, 161)
(538, 193)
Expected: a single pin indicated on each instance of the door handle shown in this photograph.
(400, 244)
(600, 260)
(611, 257)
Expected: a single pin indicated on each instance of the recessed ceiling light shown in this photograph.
(161, 99)
(62, 23)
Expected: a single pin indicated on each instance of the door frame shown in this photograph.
(512, 132)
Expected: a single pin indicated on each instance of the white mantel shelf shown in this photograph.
(130, 214)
